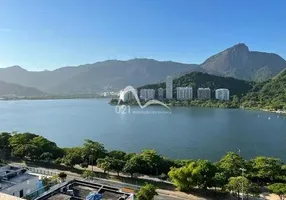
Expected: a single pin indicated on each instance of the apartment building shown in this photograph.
(184, 93)
(204, 93)
(222, 94)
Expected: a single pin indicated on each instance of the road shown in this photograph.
(162, 194)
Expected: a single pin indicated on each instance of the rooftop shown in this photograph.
(79, 190)
(10, 175)
(8, 197)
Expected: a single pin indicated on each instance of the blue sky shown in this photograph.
(48, 34)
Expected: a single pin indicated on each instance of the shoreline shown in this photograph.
(281, 112)
(241, 108)
(67, 98)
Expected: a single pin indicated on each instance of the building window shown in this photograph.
(21, 193)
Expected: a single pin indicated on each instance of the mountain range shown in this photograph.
(237, 61)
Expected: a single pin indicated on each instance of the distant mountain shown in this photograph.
(270, 94)
(90, 78)
(198, 79)
(11, 89)
(239, 62)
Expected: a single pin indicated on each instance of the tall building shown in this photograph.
(147, 94)
(204, 93)
(16, 181)
(169, 87)
(160, 93)
(222, 94)
(184, 93)
(126, 95)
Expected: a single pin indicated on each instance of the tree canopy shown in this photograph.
(146, 192)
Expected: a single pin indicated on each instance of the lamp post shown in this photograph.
(242, 173)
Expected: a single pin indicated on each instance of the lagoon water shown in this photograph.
(205, 133)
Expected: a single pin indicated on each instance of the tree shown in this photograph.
(152, 161)
(120, 155)
(46, 157)
(283, 170)
(203, 172)
(21, 146)
(146, 192)
(254, 189)
(49, 181)
(92, 151)
(128, 156)
(200, 173)
(88, 174)
(28, 145)
(267, 169)
(5, 148)
(117, 165)
(235, 184)
(133, 165)
(230, 164)
(73, 156)
(279, 189)
(165, 165)
(182, 178)
(104, 163)
(44, 145)
(220, 180)
(62, 176)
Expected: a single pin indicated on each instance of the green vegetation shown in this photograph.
(279, 189)
(269, 95)
(199, 79)
(146, 192)
(186, 175)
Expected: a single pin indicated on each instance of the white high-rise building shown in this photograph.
(160, 93)
(184, 93)
(204, 93)
(147, 94)
(169, 87)
(222, 94)
(126, 95)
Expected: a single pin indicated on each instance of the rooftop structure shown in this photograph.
(16, 181)
(82, 190)
(8, 197)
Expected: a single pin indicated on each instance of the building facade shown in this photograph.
(204, 93)
(127, 95)
(169, 87)
(184, 93)
(17, 182)
(147, 94)
(160, 93)
(222, 94)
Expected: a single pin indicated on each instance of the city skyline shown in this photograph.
(182, 93)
